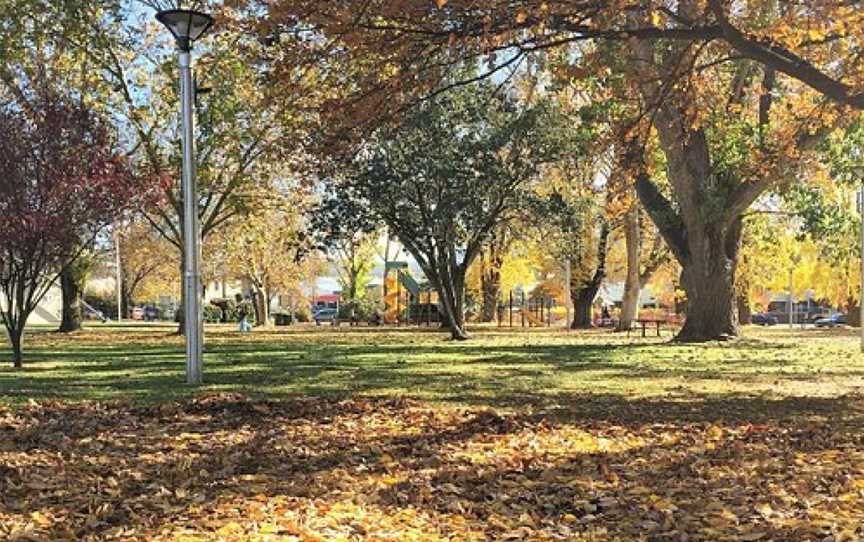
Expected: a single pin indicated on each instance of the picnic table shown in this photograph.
(645, 323)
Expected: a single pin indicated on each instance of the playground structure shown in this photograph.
(405, 300)
(408, 302)
(523, 312)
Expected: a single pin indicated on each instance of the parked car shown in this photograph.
(837, 319)
(325, 315)
(818, 315)
(151, 313)
(763, 319)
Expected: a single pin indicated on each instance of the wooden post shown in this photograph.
(398, 297)
(429, 308)
(549, 314)
(542, 306)
(511, 308)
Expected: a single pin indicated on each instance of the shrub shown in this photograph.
(212, 314)
(107, 305)
(303, 314)
(229, 309)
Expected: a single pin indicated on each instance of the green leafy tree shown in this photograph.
(450, 173)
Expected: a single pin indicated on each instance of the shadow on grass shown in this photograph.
(479, 372)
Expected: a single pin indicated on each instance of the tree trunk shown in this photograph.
(583, 301)
(16, 339)
(451, 294)
(853, 312)
(582, 294)
(125, 300)
(704, 232)
(702, 221)
(744, 312)
(262, 316)
(711, 309)
(491, 286)
(633, 281)
(71, 294)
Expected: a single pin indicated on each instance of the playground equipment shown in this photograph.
(526, 312)
(404, 299)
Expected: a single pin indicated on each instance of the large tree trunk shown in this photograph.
(583, 302)
(700, 215)
(853, 312)
(711, 309)
(72, 317)
(703, 232)
(451, 295)
(708, 253)
(633, 281)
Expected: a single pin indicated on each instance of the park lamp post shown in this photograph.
(186, 26)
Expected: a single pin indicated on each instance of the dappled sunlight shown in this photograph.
(227, 468)
(498, 367)
(322, 434)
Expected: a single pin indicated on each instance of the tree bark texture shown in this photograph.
(16, 338)
(744, 312)
(72, 318)
(632, 282)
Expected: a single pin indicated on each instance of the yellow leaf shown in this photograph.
(714, 433)
(765, 509)
(40, 519)
(232, 527)
(441, 3)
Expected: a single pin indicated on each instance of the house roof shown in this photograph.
(611, 293)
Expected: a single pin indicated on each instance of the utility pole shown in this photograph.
(791, 322)
(568, 302)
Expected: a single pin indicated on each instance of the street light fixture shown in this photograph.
(188, 25)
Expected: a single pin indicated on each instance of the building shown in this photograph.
(326, 301)
(48, 312)
(611, 294)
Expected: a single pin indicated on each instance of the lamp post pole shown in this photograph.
(191, 248)
(186, 26)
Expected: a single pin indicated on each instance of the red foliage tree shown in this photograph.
(61, 182)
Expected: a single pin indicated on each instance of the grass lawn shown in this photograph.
(397, 434)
